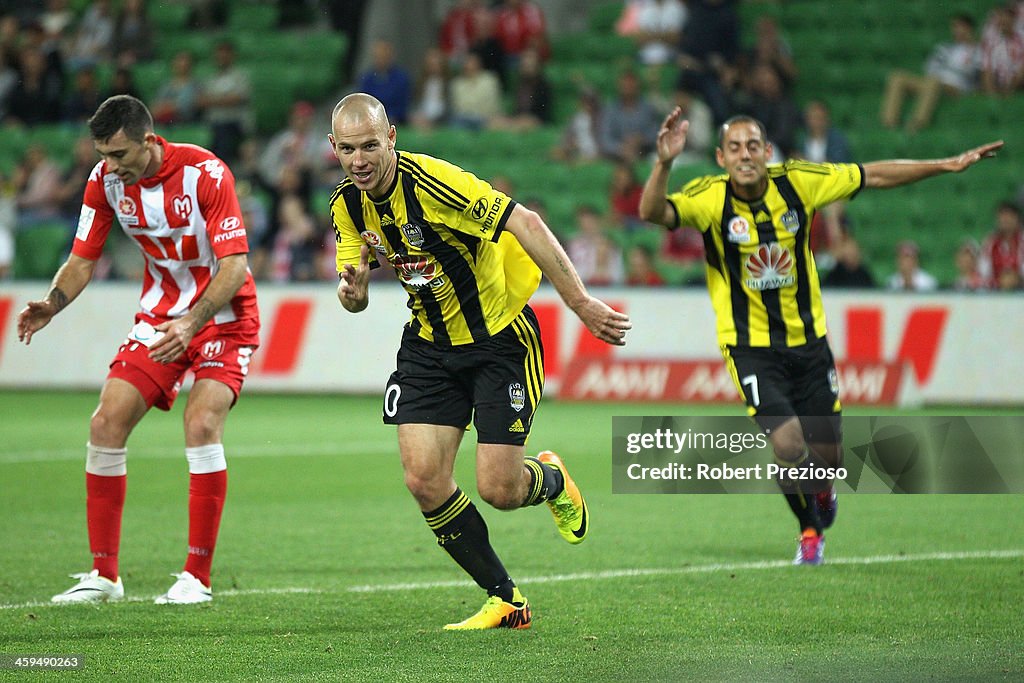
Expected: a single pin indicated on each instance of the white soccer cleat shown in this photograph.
(91, 587)
(187, 590)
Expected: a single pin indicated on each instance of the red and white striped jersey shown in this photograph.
(184, 219)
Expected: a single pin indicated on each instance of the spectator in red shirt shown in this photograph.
(624, 196)
(520, 24)
(640, 268)
(461, 29)
(1002, 253)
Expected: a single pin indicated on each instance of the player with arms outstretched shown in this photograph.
(197, 313)
(756, 219)
(470, 258)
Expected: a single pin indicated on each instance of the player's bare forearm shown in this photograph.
(231, 273)
(542, 246)
(71, 278)
(885, 174)
(653, 204)
(605, 323)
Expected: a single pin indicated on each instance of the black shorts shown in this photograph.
(497, 383)
(780, 383)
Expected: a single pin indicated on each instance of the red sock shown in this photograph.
(205, 502)
(104, 501)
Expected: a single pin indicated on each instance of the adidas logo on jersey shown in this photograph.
(517, 426)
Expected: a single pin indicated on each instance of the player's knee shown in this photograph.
(108, 428)
(202, 427)
(790, 451)
(427, 490)
(502, 496)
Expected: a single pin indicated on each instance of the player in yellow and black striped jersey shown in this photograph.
(442, 229)
(470, 258)
(755, 220)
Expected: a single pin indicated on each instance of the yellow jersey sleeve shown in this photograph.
(346, 236)
(462, 201)
(699, 203)
(821, 184)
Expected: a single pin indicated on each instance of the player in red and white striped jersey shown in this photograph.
(197, 313)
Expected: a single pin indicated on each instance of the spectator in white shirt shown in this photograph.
(952, 68)
(908, 276)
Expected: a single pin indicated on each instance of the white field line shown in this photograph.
(163, 452)
(220, 594)
(605, 574)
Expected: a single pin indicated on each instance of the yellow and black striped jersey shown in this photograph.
(760, 270)
(442, 229)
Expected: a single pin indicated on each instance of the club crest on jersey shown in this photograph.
(790, 221)
(373, 241)
(738, 230)
(770, 267)
(213, 348)
(127, 211)
(182, 206)
(417, 272)
(516, 396)
(413, 234)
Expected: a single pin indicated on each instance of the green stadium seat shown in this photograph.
(603, 16)
(39, 250)
(192, 133)
(247, 17)
(168, 17)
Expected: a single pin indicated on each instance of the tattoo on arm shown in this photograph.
(203, 311)
(59, 298)
(562, 266)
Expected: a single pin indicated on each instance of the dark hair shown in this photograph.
(1007, 205)
(121, 112)
(740, 118)
(965, 18)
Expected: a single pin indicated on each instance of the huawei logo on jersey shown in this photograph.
(770, 267)
(417, 272)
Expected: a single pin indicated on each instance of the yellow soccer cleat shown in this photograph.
(569, 509)
(496, 613)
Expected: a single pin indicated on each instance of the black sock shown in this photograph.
(546, 482)
(806, 513)
(801, 501)
(462, 532)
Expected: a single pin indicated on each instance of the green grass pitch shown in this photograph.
(326, 571)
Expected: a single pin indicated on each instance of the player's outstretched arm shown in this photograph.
(670, 143)
(884, 174)
(354, 285)
(602, 320)
(178, 333)
(68, 283)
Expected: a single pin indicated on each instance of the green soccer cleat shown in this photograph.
(569, 509)
(496, 613)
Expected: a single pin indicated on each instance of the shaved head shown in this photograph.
(357, 108)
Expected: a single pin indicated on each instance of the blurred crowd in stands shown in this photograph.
(487, 69)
